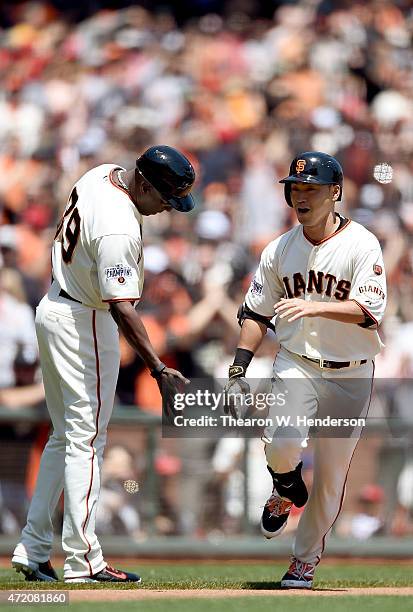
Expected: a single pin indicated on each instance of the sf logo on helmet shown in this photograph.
(300, 165)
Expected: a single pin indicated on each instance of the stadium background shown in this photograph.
(240, 87)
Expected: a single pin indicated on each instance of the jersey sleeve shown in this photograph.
(368, 286)
(266, 288)
(117, 260)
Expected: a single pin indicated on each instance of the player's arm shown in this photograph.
(368, 286)
(367, 299)
(255, 314)
(296, 308)
(251, 336)
(253, 329)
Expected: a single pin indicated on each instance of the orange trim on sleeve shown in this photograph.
(122, 300)
(366, 311)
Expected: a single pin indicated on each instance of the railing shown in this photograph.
(121, 416)
(151, 423)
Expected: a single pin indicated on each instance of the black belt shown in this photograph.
(64, 294)
(334, 365)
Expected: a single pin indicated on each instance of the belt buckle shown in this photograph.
(321, 364)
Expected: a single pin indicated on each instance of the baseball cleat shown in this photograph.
(288, 489)
(108, 574)
(275, 515)
(299, 575)
(33, 571)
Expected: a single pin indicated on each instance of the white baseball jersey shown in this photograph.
(97, 253)
(97, 258)
(348, 265)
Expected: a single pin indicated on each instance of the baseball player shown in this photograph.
(97, 267)
(324, 281)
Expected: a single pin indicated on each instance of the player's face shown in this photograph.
(312, 203)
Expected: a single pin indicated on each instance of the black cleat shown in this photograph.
(35, 572)
(288, 489)
(275, 515)
(108, 574)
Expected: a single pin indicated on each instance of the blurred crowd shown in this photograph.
(240, 94)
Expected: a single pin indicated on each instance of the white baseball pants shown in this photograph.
(79, 354)
(314, 392)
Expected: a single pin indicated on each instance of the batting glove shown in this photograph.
(234, 392)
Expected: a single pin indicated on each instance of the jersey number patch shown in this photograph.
(70, 235)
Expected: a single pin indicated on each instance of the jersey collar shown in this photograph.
(111, 178)
(343, 224)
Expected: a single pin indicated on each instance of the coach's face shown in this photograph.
(150, 201)
(313, 203)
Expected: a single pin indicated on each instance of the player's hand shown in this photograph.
(295, 308)
(234, 392)
(170, 382)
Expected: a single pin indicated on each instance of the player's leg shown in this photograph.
(87, 357)
(37, 536)
(332, 459)
(285, 439)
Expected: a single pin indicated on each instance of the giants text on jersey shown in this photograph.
(346, 265)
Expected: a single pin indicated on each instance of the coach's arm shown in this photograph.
(130, 324)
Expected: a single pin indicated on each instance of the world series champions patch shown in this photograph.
(256, 287)
(119, 272)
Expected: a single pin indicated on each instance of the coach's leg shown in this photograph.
(89, 398)
(37, 536)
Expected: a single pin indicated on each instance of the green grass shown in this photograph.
(246, 604)
(238, 576)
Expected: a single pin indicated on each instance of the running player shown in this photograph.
(324, 280)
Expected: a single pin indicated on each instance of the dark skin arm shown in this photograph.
(130, 324)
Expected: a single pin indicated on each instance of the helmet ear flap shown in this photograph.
(287, 193)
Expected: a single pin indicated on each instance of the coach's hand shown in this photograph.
(170, 382)
(234, 391)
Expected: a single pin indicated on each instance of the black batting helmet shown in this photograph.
(316, 168)
(170, 173)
